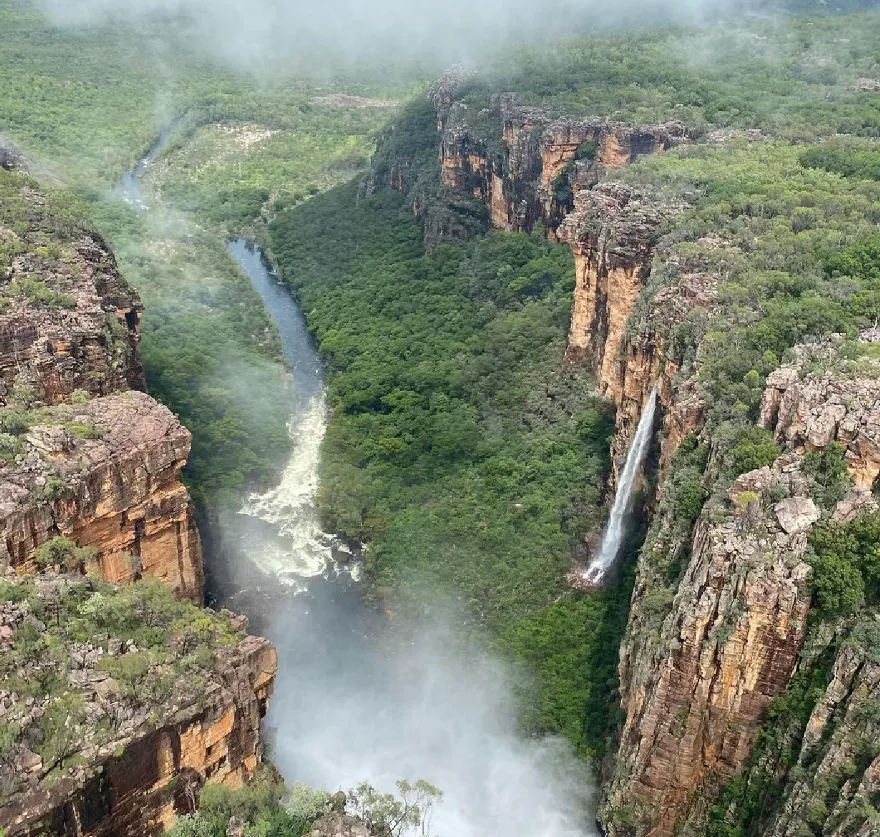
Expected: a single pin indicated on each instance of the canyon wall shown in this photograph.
(134, 781)
(126, 699)
(106, 475)
(527, 165)
(68, 323)
(83, 454)
(718, 614)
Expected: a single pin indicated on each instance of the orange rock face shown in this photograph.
(538, 174)
(118, 493)
(86, 341)
(137, 786)
(695, 695)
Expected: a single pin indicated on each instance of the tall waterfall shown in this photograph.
(635, 456)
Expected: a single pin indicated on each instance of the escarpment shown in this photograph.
(147, 715)
(695, 697)
(83, 455)
(106, 475)
(527, 165)
(719, 614)
(117, 702)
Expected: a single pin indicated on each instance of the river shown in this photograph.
(360, 696)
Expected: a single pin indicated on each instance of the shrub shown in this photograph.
(753, 448)
(63, 554)
(827, 467)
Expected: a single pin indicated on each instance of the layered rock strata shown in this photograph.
(106, 475)
(705, 654)
(150, 761)
(533, 168)
(694, 698)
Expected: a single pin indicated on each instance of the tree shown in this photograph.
(387, 815)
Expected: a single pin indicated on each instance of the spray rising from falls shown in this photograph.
(300, 549)
(614, 532)
(360, 696)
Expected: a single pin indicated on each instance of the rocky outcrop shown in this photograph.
(696, 692)
(532, 171)
(106, 475)
(135, 755)
(808, 409)
(67, 319)
(838, 771)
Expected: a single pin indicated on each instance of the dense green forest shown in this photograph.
(460, 445)
(84, 104)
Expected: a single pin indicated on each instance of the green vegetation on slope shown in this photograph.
(460, 446)
(62, 634)
(85, 103)
(787, 244)
(786, 75)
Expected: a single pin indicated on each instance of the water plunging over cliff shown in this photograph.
(359, 695)
(615, 529)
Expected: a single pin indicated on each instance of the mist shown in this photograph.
(366, 695)
(266, 33)
(361, 697)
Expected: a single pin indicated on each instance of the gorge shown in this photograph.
(594, 306)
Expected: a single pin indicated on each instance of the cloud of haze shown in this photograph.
(257, 32)
(422, 703)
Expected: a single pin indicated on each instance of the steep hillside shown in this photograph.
(116, 703)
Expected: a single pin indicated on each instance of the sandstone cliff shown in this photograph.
(527, 165)
(67, 320)
(694, 699)
(141, 726)
(104, 468)
(718, 616)
(117, 703)
(106, 475)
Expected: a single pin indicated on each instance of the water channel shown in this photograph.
(358, 696)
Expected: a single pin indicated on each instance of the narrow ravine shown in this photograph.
(361, 696)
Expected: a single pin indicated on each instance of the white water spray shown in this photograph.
(635, 456)
(302, 550)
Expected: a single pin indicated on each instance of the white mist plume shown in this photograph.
(264, 32)
(423, 705)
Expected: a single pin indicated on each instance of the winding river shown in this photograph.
(359, 696)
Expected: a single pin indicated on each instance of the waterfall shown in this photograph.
(635, 456)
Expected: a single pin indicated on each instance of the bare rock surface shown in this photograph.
(106, 475)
